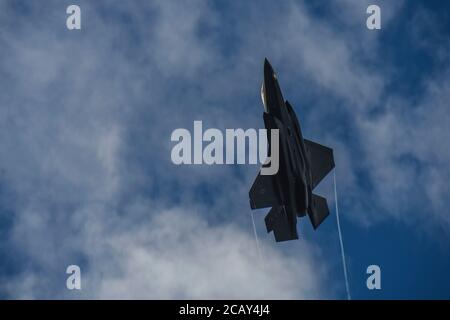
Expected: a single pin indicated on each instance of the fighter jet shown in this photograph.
(302, 165)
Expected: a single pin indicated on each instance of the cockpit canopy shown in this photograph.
(263, 97)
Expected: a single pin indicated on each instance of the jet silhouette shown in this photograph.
(302, 165)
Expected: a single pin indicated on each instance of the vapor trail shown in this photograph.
(344, 265)
(256, 238)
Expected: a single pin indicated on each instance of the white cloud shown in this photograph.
(174, 253)
(178, 255)
(410, 165)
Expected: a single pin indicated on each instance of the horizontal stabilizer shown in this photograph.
(277, 221)
(262, 193)
(321, 160)
(318, 210)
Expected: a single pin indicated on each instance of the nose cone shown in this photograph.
(272, 97)
(268, 70)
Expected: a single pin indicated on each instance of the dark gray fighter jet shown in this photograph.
(302, 165)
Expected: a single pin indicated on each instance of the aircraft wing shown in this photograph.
(263, 192)
(321, 160)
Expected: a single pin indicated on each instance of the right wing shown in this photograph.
(321, 160)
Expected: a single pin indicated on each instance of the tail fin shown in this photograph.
(318, 210)
(278, 222)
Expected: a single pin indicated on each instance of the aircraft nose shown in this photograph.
(272, 93)
(268, 70)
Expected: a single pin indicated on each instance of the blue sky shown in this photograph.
(85, 171)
